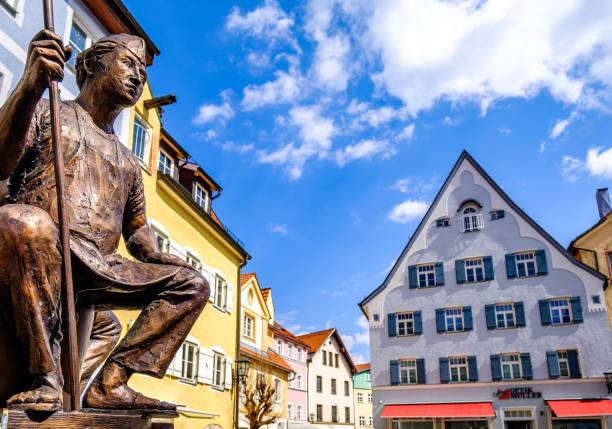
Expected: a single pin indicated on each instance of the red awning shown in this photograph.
(468, 409)
(581, 407)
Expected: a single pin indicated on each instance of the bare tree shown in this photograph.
(258, 398)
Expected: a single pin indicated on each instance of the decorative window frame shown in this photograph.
(458, 366)
(511, 364)
(454, 316)
(169, 158)
(569, 310)
(253, 333)
(408, 369)
(196, 187)
(505, 311)
(533, 260)
(195, 355)
(475, 219)
(428, 269)
(405, 322)
(474, 268)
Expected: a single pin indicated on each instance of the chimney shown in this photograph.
(603, 202)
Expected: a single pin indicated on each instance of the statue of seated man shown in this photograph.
(105, 199)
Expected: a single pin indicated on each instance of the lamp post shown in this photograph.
(242, 371)
(608, 375)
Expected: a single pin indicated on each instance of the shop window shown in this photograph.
(576, 424)
(466, 424)
(412, 425)
(511, 366)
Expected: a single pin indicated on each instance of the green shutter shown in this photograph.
(444, 370)
(460, 271)
(395, 372)
(574, 366)
(511, 265)
(440, 222)
(418, 323)
(467, 318)
(500, 214)
(545, 312)
(413, 281)
(439, 274)
(496, 371)
(488, 267)
(490, 316)
(541, 262)
(576, 309)
(553, 364)
(420, 371)
(440, 320)
(392, 324)
(526, 366)
(472, 369)
(519, 311)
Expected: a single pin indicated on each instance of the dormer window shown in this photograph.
(201, 197)
(472, 219)
(166, 163)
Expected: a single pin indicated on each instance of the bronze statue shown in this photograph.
(105, 199)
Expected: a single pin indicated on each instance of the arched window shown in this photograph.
(472, 219)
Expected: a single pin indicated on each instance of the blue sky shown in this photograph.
(332, 124)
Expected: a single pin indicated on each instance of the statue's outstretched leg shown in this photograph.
(170, 310)
(30, 273)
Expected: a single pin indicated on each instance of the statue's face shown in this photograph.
(122, 76)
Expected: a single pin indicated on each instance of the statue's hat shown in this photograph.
(134, 44)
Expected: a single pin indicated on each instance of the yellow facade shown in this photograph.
(594, 248)
(363, 409)
(256, 341)
(203, 400)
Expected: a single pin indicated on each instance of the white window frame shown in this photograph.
(220, 298)
(201, 198)
(185, 363)
(426, 275)
(408, 371)
(278, 392)
(89, 39)
(218, 373)
(300, 411)
(290, 411)
(473, 267)
(333, 385)
(290, 350)
(524, 259)
(299, 354)
(162, 239)
(248, 329)
(457, 363)
(369, 376)
(560, 304)
(147, 131)
(471, 218)
(369, 420)
(359, 398)
(512, 362)
(505, 309)
(194, 261)
(362, 421)
(168, 166)
(405, 323)
(279, 347)
(299, 381)
(454, 314)
(369, 398)
(563, 360)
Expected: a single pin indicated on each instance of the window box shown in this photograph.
(526, 264)
(561, 311)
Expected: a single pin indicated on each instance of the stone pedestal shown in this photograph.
(87, 418)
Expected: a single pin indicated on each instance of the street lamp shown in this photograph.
(242, 370)
(608, 375)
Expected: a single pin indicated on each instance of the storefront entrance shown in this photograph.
(518, 424)
(577, 424)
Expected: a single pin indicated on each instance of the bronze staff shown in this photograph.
(68, 289)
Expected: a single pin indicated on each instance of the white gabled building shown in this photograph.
(486, 322)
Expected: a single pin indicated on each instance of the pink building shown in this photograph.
(295, 353)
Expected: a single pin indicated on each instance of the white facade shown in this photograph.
(439, 329)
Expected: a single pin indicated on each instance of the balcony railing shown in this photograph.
(472, 222)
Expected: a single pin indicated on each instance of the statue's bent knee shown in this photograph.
(27, 222)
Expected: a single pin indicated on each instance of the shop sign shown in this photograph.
(517, 393)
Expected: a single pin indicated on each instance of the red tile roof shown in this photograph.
(265, 293)
(268, 357)
(213, 215)
(362, 367)
(245, 278)
(282, 332)
(315, 339)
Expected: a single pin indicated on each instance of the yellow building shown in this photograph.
(257, 315)
(594, 246)
(179, 194)
(362, 395)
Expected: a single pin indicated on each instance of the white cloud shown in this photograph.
(362, 322)
(460, 51)
(571, 168)
(599, 163)
(543, 146)
(230, 146)
(452, 121)
(401, 185)
(279, 229)
(357, 358)
(209, 112)
(268, 21)
(364, 149)
(561, 125)
(285, 88)
(348, 341)
(316, 133)
(407, 211)
(406, 134)
(505, 130)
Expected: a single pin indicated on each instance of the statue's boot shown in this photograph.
(45, 394)
(110, 390)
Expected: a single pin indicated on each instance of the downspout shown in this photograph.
(238, 311)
